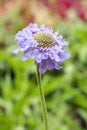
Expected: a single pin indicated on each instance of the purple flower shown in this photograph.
(42, 44)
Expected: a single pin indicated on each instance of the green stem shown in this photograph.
(44, 109)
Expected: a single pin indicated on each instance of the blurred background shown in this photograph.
(65, 90)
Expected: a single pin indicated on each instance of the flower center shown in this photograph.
(44, 39)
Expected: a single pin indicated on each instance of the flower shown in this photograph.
(42, 44)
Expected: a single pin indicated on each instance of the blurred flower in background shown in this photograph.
(66, 89)
(60, 7)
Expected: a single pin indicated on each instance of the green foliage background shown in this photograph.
(65, 90)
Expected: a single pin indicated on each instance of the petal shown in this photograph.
(31, 52)
(42, 68)
(60, 38)
(64, 55)
(42, 27)
(57, 66)
(33, 27)
(65, 43)
(15, 51)
(50, 64)
(19, 36)
(44, 55)
(24, 57)
(38, 58)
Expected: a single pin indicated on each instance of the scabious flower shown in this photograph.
(42, 44)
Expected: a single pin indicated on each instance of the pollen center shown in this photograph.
(44, 39)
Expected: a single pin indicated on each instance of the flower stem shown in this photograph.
(44, 109)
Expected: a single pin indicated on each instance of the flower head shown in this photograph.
(42, 44)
